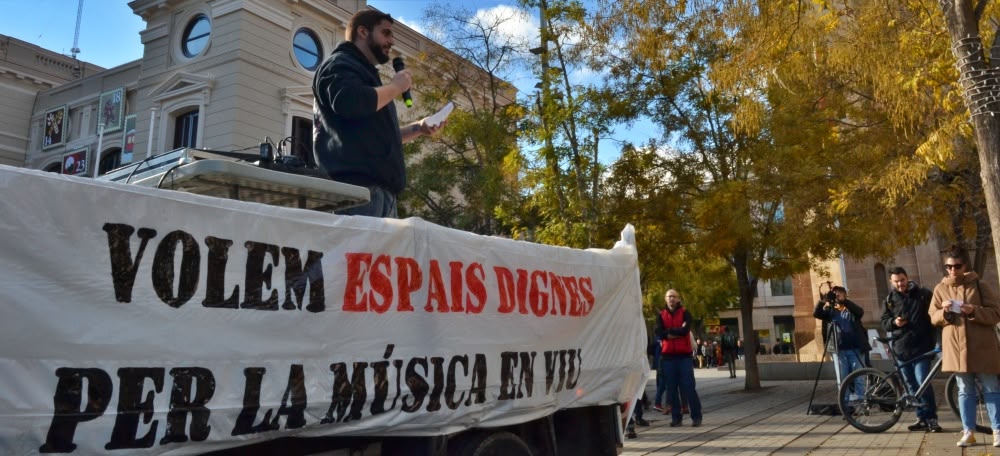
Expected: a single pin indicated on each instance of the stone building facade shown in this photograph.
(26, 70)
(220, 75)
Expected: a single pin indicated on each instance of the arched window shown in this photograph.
(196, 36)
(54, 168)
(186, 129)
(110, 160)
(307, 49)
(881, 283)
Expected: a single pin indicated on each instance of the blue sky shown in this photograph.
(109, 33)
(109, 36)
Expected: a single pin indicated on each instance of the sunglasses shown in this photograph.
(954, 266)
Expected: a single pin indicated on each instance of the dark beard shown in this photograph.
(376, 50)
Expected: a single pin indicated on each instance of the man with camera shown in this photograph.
(905, 316)
(842, 320)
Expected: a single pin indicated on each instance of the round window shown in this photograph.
(196, 36)
(307, 49)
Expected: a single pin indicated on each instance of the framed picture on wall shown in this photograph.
(128, 139)
(75, 163)
(111, 110)
(55, 128)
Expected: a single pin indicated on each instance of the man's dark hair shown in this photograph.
(898, 270)
(958, 253)
(368, 19)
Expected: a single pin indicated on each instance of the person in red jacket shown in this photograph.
(673, 326)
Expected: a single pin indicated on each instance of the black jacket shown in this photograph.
(826, 315)
(352, 141)
(918, 336)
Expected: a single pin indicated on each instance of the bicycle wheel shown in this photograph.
(982, 417)
(877, 406)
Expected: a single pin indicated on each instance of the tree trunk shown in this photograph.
(980, 214)
(981, 91)
(750, 343)
(988, 140)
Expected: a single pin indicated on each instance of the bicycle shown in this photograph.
(885, 398)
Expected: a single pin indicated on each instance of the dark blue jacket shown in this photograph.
(855, 313)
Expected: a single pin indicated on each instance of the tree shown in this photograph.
(748, 193)
(632, 192)
(913, 130)
(568, 124)
(898, 110)
(472, 172)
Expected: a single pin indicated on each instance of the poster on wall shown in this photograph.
(128, 139)
(55, 127)
(111, 110)
(75, 162)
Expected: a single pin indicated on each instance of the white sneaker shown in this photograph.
(968, 439)
(996, 438)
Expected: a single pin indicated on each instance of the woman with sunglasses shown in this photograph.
(968, 311)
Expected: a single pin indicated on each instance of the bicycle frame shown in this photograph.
(886, 394)
(897, 365)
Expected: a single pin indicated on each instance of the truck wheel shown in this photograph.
(492, 444)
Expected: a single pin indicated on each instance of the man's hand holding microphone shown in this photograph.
(399, 66)
(402, 81)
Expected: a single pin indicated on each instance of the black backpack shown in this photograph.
(728, 342)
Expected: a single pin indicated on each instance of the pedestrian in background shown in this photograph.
(661, 379)
(728, 345)
(699, 353)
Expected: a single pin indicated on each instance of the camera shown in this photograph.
(829, 298)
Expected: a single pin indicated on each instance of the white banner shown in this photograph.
(142, 321)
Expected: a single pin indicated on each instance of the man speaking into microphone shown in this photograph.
(356, 134)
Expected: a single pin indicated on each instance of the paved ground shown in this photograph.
(774, 422)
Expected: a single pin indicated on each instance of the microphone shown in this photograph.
(398, 65)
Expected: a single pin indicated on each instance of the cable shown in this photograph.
(281, 145)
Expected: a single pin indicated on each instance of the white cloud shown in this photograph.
(515, 24)
(414, 25)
